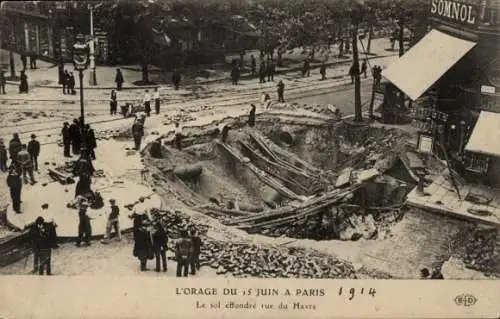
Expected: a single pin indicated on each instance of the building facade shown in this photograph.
(452, 74)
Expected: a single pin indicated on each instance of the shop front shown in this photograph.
(451, 74)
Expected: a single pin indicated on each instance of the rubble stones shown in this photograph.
(480, 251)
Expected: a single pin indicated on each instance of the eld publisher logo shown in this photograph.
(465, 300)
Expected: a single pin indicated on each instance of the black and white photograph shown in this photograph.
(297, 139)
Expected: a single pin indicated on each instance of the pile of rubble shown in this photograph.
(248, 260)
(480, 250)
(171, 119)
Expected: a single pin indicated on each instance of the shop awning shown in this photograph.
(485, 138)
(419, 68)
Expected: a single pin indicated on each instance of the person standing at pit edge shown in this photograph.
(34, 151)
(147, 103)
(183, 253)
(195, 258)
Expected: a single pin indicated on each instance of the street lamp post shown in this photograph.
(80, 61)
(92, 79)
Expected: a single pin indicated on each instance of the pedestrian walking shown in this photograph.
(322, 71)
(65, 82)
(84, 226)
(353, 71)
(156, 96)
(137, 133)
(76, 137)
(363, 68)
(66, 138)
(195, 260)
(159, 244)
(34, 151)
(262, 72)
(23, 85)
(281, 91)
(119, 79)
(113, 222)
(143, 246)
(24, 160)
(176, 78)
(251, 116)
(270, 70)
(15, 184)
(235, 72)
(3, 81)
(33, 60)
(183, 253)
(90, 140)
(23, 61)
(147, 103)
(71, 83)
(3, 157)
(178, 136)
(253, 65)
(306, 68)
(113, 103)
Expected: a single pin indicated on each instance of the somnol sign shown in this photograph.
(460, 12)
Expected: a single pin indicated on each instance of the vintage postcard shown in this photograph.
(244, 158)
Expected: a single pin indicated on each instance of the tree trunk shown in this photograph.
(358, 115)
(145, 73)
(279, 61)
(12, 65)
(370, 36)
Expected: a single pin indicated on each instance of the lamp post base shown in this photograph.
(92, 77)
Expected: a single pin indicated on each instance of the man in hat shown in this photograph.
(159, 236)
(195, 259)
(178, 136)
(147, 103)
(15, 184)
(113, 221)
(34, 151)
(183, 253)
(66, 137)
(84, 227)
(3, 157)
(119, 79)
(2, 82)
(24, 160)
(76, 136)
(157, 100)
(15, 146)
(137, 133)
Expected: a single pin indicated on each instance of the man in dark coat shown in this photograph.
(183, 254)
(176, 78)
(143, 246)
(84, 227)
(137, 133)
(322, 71)
(66, 137)
(43, 237)
(34, 151)
(23, 86)
(65, 82)
(306, 68)
(15, 146)
(91, 141)
(24, 60)
(251, 116)
(119, 79)
(363, 68)
(113, 103)
(353, 71)
(33, 60)
(160, 244)
(253, 65)
(24, 160)
(76, 138)
(281, 91)
(195, 260)
(262, 72)
(71, 83)
(3, 157)
(2, 82)
(270, 70)
(15, 184)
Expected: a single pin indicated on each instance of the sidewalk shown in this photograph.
(46, 75)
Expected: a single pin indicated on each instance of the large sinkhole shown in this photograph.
(293, 177)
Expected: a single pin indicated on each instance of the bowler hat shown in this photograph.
(33, 136)
(45, 206)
